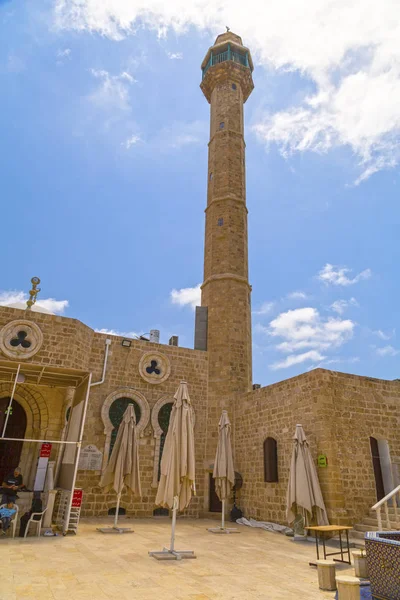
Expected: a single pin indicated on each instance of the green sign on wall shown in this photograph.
(322, 460)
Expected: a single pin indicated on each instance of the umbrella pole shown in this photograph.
(174, 511)
(117, 510)
(171, 553)
(223, 515)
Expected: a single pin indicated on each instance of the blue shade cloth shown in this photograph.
(365, 593)
(7, 512)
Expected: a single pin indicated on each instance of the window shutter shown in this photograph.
(270, 460)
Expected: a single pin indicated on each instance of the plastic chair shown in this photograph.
(14, 518)
(38, 522)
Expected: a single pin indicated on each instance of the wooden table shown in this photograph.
(322, 529)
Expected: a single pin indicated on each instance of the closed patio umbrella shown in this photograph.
(304, 492)
(224, 473)
(123, 466)
(177, 480)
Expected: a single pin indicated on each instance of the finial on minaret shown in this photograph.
(33, 293)
(227, 28)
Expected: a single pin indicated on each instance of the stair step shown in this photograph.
(370, 521)
(358, 536)
(383, 512)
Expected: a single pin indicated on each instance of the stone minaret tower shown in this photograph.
(227, 83)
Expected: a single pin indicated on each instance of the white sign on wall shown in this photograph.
(91, 459)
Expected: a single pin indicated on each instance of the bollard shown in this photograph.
(326, 575)
(348, 587)
(360, 564)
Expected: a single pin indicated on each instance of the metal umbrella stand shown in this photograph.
(177, 469)
(224, 473)
(123, 466)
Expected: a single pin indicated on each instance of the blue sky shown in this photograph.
(104, 154)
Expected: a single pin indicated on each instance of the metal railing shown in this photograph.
(229, 54)
(394, 498)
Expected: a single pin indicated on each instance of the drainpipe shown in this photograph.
(108, 343)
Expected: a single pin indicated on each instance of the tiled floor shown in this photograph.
(252, 565)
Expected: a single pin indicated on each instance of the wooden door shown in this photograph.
(376, 463)
(10, 452)
(215, 502)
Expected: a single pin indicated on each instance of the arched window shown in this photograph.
(270, 460)
(116, 412)
(163, 421)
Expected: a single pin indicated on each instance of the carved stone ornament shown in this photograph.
(20, 339)
(154, 367)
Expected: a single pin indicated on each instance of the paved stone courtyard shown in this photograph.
(252, 565)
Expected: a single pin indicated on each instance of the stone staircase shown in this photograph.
(370, 523)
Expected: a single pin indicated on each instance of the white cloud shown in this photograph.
(296, 359)
(113, 91)
(384, 336)
(181, 134)
(18, 300)
(340, 306)
(264, 309)
(305, 328)
(64, 53)
(131, 141)
(387, 351)
(297, 296)
(336, 361)
(175, 55)
(347, 50)
(187, 296)
(333, 275)
(126, 334)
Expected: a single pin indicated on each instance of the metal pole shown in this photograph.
(117, 510)
(223, 514)
(10, 403)
(174, 511)
(78, 453)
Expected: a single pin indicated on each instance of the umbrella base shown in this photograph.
(223, 530)
(166, 554)
(114, 529)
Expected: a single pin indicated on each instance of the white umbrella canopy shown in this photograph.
(177, 468)
(123, 466)
(304, 492)
(224, 473)
(177, 478)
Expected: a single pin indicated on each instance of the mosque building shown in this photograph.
(60, 371)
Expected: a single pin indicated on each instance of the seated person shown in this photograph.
(6, 514)
(10, 486)
(36, 507)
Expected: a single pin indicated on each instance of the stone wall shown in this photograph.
(67, 343)
(123, 377)
(339, 413)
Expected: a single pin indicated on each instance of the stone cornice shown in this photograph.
(227, 199)
(222, 132)
(222, 276)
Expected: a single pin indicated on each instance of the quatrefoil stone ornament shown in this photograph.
(154, 367)
(20, 339)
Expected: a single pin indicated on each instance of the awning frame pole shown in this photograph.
(78, 453)
(11, 400)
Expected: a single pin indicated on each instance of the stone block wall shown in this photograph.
(339, 413)
(123, 376)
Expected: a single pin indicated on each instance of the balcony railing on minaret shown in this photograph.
(215, 58)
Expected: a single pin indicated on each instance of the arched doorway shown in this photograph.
(376, 463)
(10, 452)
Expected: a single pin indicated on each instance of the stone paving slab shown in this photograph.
(254, 565)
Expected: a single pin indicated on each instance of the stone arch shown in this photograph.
(108, 426)
(168, 399)
(37, 422)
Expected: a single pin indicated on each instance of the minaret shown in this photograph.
(227, 83)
